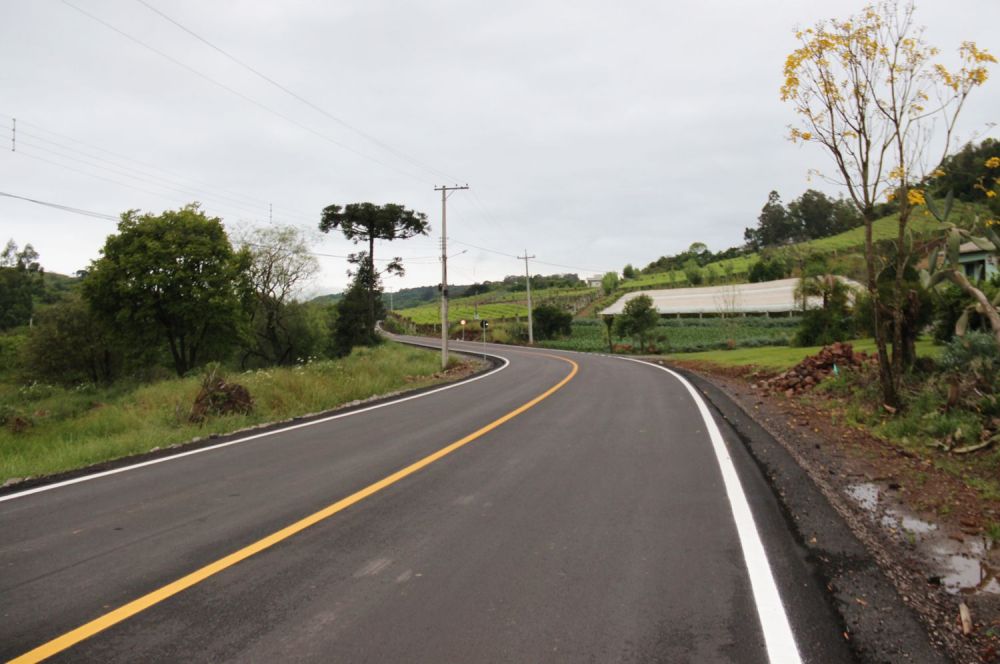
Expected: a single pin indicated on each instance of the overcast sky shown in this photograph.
(592, 134)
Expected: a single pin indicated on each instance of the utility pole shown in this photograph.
(444, 269)
(527, 278)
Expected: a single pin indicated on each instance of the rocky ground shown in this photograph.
(928, 530)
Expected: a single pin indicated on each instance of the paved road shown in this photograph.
(595, 525)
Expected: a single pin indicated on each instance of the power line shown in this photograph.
(174, 178)
(65, 208)
(501, 253)
(158, 182)
(297, 96)
(236, 93)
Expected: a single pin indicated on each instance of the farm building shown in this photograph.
(977, 263)
(769, 297)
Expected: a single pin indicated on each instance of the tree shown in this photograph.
(867, 91)
(774, 226)
(279, 263)
(367, 222)
(767, 269)
(551, 321)
(968, 176)
(172, 278)
(947, 267)
(351, 326)
(628, 272)
(693, 273)
(816, 215)
(830, 321)
(638, 318)
(20, 281)
(609, 282)
(70, 345)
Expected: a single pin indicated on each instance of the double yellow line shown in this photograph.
(126, 611)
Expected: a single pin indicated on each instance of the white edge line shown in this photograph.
(774, 623)
(292, 427)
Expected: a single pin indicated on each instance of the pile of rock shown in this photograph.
(810, 371)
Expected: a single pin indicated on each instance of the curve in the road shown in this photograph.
(136, 606)
(245, 439)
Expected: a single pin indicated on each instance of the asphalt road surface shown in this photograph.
(564, 507)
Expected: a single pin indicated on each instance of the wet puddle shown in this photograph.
(961, 566)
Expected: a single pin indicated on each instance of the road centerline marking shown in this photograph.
(150, 599)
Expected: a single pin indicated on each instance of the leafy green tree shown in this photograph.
(775, 226)
(69, 345)
(367, 222)
(767, 269)
(171, 278)
(815, 215)
(279, 264)
(628, 272)
(968, 175)
(550, 321)
(829, 322)
(638, 319)
(609, 282)
(693, 273)
(353, 310)
(20, 282)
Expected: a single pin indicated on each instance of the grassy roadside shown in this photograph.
(779, 358)
(74, 428)
(853, 401)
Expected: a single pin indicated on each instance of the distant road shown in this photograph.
(567, 507)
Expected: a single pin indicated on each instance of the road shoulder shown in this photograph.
(880, 606)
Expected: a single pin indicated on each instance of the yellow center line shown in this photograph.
(126, 611)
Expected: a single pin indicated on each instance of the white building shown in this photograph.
(769, 297)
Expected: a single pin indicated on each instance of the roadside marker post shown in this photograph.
(463, 329)
(485, 324)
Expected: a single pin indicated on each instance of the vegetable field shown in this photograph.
(497, 306)
(688, 334)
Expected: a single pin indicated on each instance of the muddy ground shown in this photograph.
(928, 531)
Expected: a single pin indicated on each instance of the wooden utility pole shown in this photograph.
(444, 269)
(527, 278)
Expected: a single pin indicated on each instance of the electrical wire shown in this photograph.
(246, 98)
(173, 178)
(295, 95)
(119, 172)
(65, 208)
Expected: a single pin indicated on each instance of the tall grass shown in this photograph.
(73, 428)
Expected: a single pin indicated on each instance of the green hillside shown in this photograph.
(499, 305)
(849, 242)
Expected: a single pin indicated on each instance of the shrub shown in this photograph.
(550, 322)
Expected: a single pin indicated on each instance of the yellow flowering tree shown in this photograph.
(868, 90)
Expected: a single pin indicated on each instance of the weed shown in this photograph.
(81, 428)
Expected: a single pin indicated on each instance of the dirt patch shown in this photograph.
(928, 530)
(457, 372)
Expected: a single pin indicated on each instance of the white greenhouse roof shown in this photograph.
(766, 297)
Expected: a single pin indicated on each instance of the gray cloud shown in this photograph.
(592, 134)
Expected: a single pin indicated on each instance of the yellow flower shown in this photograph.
(991, 194)
(807, 135)
(938, 173)
(993, 162)
(915, 197)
